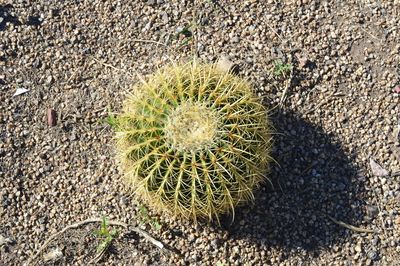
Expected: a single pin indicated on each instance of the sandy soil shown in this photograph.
(336, 114)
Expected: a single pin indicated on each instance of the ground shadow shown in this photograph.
(314, 181)
(5, 16)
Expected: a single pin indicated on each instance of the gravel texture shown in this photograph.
(77, 59)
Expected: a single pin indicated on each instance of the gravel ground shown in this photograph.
(341, 111)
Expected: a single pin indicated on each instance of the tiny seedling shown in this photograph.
(187, 33)
(144, 218)
(111, 119)
(106, 235)
(281, 69)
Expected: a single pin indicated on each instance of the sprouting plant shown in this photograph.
(185, 34)
(144, 218)
(281, 68)
(106, 236)
(186, 31)
(193, 141)
(111, 119)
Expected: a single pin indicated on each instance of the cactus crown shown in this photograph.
(194, 141)
(191, 127)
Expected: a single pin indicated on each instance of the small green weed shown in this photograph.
(111, 119)
(106, 236)
(144, 218)
(185, 31)
(185, 35)
(281, 69)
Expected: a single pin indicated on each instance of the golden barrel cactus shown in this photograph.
(193, 141)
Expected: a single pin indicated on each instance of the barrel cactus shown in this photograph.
(193, 140)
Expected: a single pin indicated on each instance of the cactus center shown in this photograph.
(191, 127)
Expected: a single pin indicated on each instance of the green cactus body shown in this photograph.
(194, 141)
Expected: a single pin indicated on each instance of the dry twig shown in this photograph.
(98, 220)
(105, 64)
(351, 227)
(98, 257)
(149, 41)
(327, 100)
(288, 84)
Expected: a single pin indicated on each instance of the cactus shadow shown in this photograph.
(314, 180)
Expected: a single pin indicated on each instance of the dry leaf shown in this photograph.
(224, 64)
(376, 169)
(51, 117)
(55, 254)
(20, 91)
